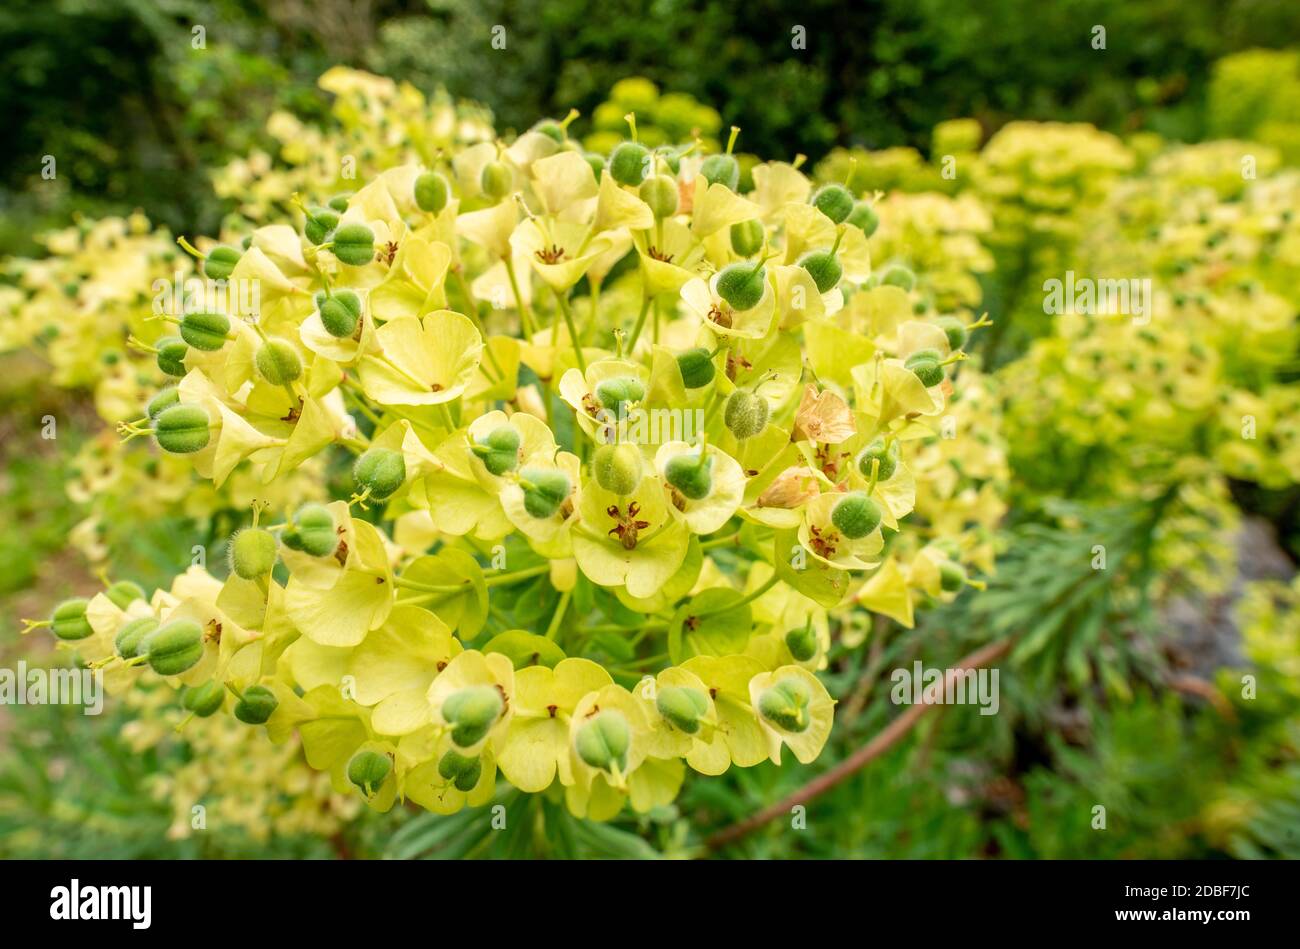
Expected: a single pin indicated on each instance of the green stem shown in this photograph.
(554, 628)
(516, 576)
(573, 333)
(640, 322)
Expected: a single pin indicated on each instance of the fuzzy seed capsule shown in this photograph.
(886, 458)
(320, 224)
(381, 471)
(256, 705)
(747, 237)
(182, 429)
(899, 276)
(697, 367)
(824, 267)
(742, 284)
(171, 355)
(785, 705)
(123, 593)
(204, 700)
(835, 201)
(690, 474)
(603, 741)
(368, 770)
(952, 576)
(721, 170)
(544, 490)
(925, 365)
(629, 163)
(252, 553)
(69, 619)
(660, 193)
(431, 192)
(340, 313)
(354, 244)
(855, 515)
(205, 331)
(220, 262)
(614, 393)
(802, 642)
(864, 217)
(340, 201)
(596, 162)
(472, 712)
(278, 362)
(955, 330)
(164, 399)
(682, 706)
(499, 450)
(312, 531)
(462, 771)
(617, 468)
(131, 636)
(496, 180)
(745, 414)
(175, 647)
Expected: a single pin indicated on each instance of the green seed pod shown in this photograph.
(496, 179)
(925, 364)
(432, 192)
(617, 468)
(877, 452)
(204, 700)
(354, 244)
(955, 330)
(320, 224)
(596, 162)
(462, 771)
(130, 637)
(499, 450)
(721, 170)
(368, 770)
(313, 531)
(205, 331)
(855, 515)
(690, 474)
(952, 576)
(745, 414)
(747, 237)
(546, 489)
(278, 361)
(660, 193)
(899, 276)
(380, 470)
(171, 355)
(697, 367)
(256, 705)
(671, 157)
(682, 706)
(614, 393)
(472, 712)
(164, 399)
(785, 705)
(182, 429)
(69, 619)
(339, 314)
(630, 163)
(340, 201)
(825, 268)
(802, 642)
(603, 741)
(220, 262)
(123, 593)
(175, 647)
(742, 284)
(252, 553)
(552, 130)
(864, 217)
(835, 201)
